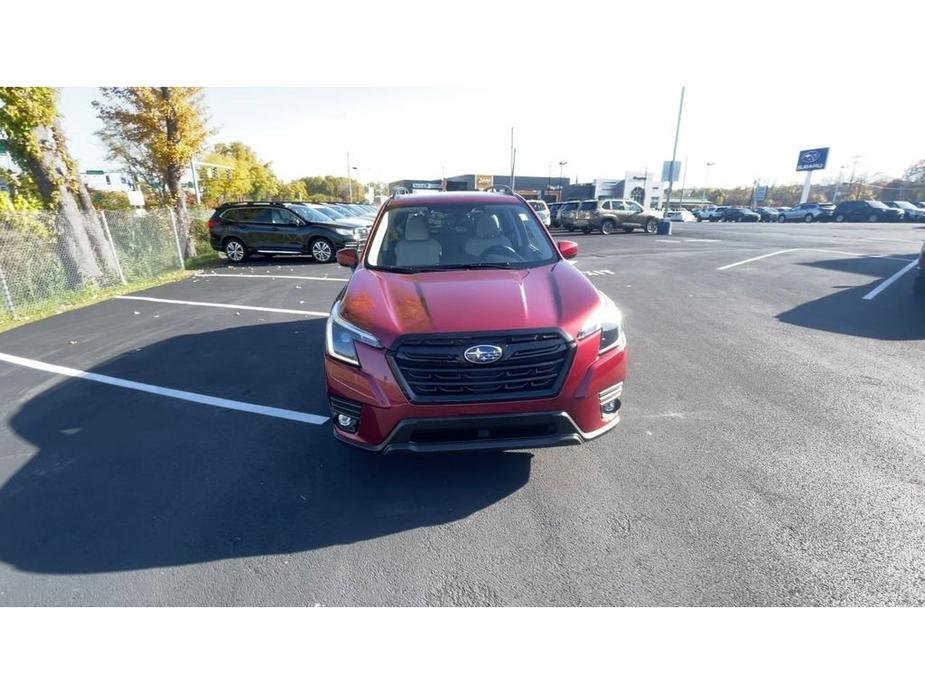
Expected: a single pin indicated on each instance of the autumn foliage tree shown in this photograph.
(169, 125)
(30, 120)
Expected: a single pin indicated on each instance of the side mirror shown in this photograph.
(347, 257)
(568, 249)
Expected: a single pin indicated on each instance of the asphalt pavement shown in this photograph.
(174, 449)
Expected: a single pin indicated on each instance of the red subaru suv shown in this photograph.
(464, 327)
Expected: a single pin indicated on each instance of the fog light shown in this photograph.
(346, 422)
(610, 407)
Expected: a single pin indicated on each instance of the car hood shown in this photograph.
(390, 304)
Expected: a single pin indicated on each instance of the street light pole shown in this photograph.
(561, 187)
(674, 151)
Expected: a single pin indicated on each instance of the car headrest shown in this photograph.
(416, 229)
(487, 226)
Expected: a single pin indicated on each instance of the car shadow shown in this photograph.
(123, 480)
(894, 314)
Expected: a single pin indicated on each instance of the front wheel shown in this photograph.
(873, 218)
(808, 218)
(781, 219)
(652, 226)
(608, 227)
(322, 250)
(839, 218)
(236, 251)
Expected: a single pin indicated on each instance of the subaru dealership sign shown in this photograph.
(812, 159)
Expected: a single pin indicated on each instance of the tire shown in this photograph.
(873, 218)
(235, 250)
(839, 218)
(781, 219)
(808, 218)
(651, 225)
(587, 231)
(321, 249)
(608, 227)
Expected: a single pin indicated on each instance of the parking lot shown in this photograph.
(173, 448)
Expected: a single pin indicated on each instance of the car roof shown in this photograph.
(461, 196)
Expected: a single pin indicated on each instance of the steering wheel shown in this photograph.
(500, 250)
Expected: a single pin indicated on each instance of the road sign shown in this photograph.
(761, 193)
(671, 171)
(812, 159)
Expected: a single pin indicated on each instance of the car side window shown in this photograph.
(617, 205)
(232, 216)
(279, 216)
(634, 207)
(605, 205)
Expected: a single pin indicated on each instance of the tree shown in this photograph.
(133, 158)
(245, 178)
(169, 125)
(29, 118)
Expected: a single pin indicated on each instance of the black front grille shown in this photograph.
(432, 368)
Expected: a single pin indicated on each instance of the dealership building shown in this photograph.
(642, 186)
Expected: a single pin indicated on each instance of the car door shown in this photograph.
(633, 213)
(288, 231)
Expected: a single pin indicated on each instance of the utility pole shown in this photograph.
(561, 187)
(683, 183)
(854, 166)
(349, 180)
(674, 151)
(513, 159)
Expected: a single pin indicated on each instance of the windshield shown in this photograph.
(309, 214)
(588, 205)
(570, 206)
(876, 203)
(537, 205)
(330, 212)
(446, 236)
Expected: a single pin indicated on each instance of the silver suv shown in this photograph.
(610, 215)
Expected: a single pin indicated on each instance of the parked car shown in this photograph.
(242, 229)
(581, 217)
(919, 283)
(544, 367)
(565, 214)
(541, 209)
(739, 214)
(808, 212)
(866, 211)
(681, 215)
(710, 214)
(554, 208)
(768, 214)
(911, 213)
(609, 215)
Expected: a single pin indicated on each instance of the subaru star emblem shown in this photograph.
(483, 354)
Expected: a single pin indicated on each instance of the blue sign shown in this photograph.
(812, 159)
(671, 171)
(761, 193)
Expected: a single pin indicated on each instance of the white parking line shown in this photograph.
(888, 281)
(814, 250)
(188, 396)
(275, 277)
(234, 306)
(759, 257)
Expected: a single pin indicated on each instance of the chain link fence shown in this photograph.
(45, 263)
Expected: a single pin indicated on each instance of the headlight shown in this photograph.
(345, 232)
(609, 321)
(341, 336)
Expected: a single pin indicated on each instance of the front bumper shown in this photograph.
(389, 421)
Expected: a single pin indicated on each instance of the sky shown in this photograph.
(403, 132)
